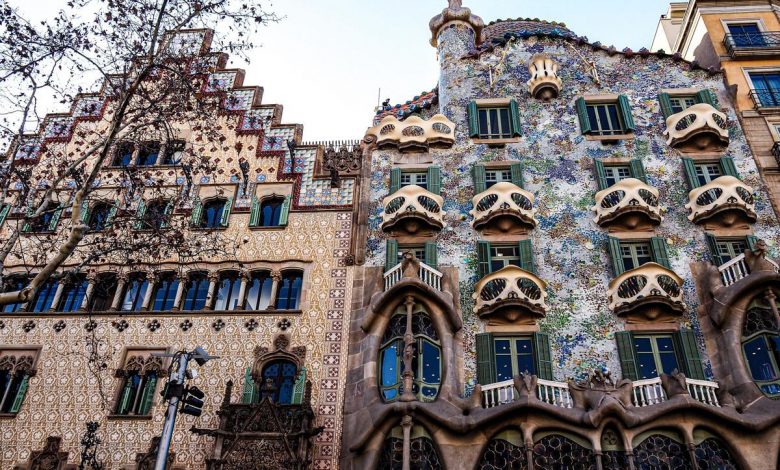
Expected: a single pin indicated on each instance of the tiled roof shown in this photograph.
(416, 104)
(525, 27)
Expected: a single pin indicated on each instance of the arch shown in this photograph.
(278, 380)
(613, 449)
(506, 450)
(99, 216)
(557, 449)
(211, 213)
(712, 452)
(661, 447)
(424, 454)
(760, 345)
(271, 209)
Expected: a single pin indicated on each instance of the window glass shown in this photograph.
(98, 216)
(513, 356)
(503, 255)
(10, 383)
(137, 393)
(730, 249)
(43, 222)
(155, 216)
(761, 346)
(417, 250)
(766, 87)
(196, 293)
(497, 176)
(655, 355)
(123, 154)
(135, 293)
(746, 35)
(228, 291)
(165, 292)
(103, 293)
(281, 374)
(494, 123)
(289, 290)
(613, 174)
(604, 119)
(259, 294)
(271, 212)
(426, 358)
(420, 179)
(635, 254)
(148, 154)
(211, 216)
(174, 151)
(706, 172)
(681, 103)
(12, 284)
(73, 294)
(45, 296)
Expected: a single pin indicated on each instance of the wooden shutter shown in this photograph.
(85, 211)
(247, 394)
(708, 97)
(148, 396)
(431, 255)
(712, 243)
(19, 399)
(434, 179)
(543, 356)
(582, 114)
(478, 171)
(254, 212)
(660, 251)
(613, 244)
(527, 256)
(225, 219)
(124, 398)
(689, 350)
(728, 167)
(167, 214)
(690, 173)
(666, 104)
(112, 214)
(285, 215)
(391, 255)
(514, 118)
(395, 180)
(300, 388)
(601, 174)
(55, 218)
(4, 210)
(30, 211)
(625, 346)
(486, 359)
(625, 112)
(483, 258)
(473, 114)
(750, 241)
(197, 210)
(516, 173)
(638, 170)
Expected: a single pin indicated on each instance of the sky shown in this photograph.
(326, 61)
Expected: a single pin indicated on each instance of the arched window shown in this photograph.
(661, 450)
(259, 293)
(279, 381)
(228, 291)
(73, 294)
(154, 215)
(139, 380)
(426, 361)
(423, 453)
(505, 451)
(271, 212)
(165, 291)
(99, 216)
(196, 291)
(135, 291)
(45, 296)
(103, 293)
(557, 450)
(761, 346)
(148, 153)
(289, 296)
(712, 453)
(613, 451)
(211, 213)
(13, 284)
(123, 155)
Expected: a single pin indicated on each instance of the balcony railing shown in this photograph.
(650, 392)
(747, 44)
(719, 195)
(735, 269)
(766, 98)
(627, 196)
(413, 202)
(697, 128)
(427, 274)
(649, 283)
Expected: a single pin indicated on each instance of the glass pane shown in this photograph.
(505, 128)
(259, 295)
(503, 354)
(483, 122)
(759, 360)
(389, 365)
(431, 372)
(494, 130)
(647, 368)
(525, 357)
(667, 355)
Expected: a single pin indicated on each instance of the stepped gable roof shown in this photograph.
(401, 111)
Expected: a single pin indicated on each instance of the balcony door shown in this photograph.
(746, 35)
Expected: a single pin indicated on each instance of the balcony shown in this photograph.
(698, 128)
(766, 100)
(510, 295)
(627, 205)
(503, 208)
(413, 134)
(764, 44)
(735, 269)
(425, 273)
(413, 210)
(727, 197)
(650, 291)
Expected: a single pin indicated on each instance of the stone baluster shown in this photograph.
(91, 280)
(121, 282)
(180, 292)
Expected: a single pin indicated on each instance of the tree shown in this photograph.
(150, 92)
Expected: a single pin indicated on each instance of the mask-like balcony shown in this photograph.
(510, 295)
(628, 204)
(413, 134)
(650, 291)
(412, 210)
(698, 128)
(727, 197)
(503, 208)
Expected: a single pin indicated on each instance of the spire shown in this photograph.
(456, 13)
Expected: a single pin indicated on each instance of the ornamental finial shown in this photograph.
(455, 12)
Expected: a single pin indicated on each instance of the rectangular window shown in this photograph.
(420, 179)
(706, 172)
(681, 102)
(655, 355)
(766, 88)
(494, 123)
(746, 35)
(494, 176)
(514, 355)
(504, 255)
(730, 249)
(604, 119)
(635, 254)
(613, 174)
(417, 250)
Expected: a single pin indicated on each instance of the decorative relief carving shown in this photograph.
(649, 292)
(544, 83)
(49, 458)
(503, 208)
(510, 295)
(413, 209)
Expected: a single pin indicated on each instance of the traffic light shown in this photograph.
(193, 401)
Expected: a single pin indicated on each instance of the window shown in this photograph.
(700, 173)
(426, 360)
(493, 122)
(514, 356)
(430, 180)
(419, 179)
(724, 249)
(270, 212)
(103, 293)
(213, 214)
(605, 118)
(45, 296)
(655, 355)
(47, 221)
(289, 296)
(766, 88)
(139, 378)
(196, 291)
(174, 151)
(497, 176)
(608, 174)
(417, 250)
(135, 291)
(616, 173)
(631, 254)
(123, 155)
(99, 217)
(427, 253)
(673, 103)
(154, 216)
(746, 35)
(281, 376)
(148, 154)
(16, 367)
(228, 291)
(485, 177)
(492, 257)
(501, 358)
(4, 210)
(706, 172)
(504, 255)
(258, 295)
(761, 346)
(165, 292)
(681, 103)
(13, 284)
(422, 451)
(648, 355)
(635, 254)
(73, 294)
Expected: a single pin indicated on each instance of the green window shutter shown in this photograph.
(543, 356)
(124, 398)
(19, 399)
(516, 172)
(660, 251)
(147, 398)
(85, 211)
(434, 180)
(601, 175)
(225, 219)
(478, 171)
(111, 215)
(473, 112)
(708, 97)
(712, 243)
(55, 218)
(728, 167)
(582, 114)
(391, 255)
(527, 256)
(27, 227)
(197, 210)
(285, 215)
(690, 173)
(483, 258)
(139, 215)
(625, 112)
(666, 104)
(486, 359)
(254, 212)
(613, 244)
(638, 170)
(395, 180)
(4, 210)
(248, 391)
(689, 349)
(750, 241)
(431, 255)
(300, 387)
(625, 346)
(514, 118)
(167, 214)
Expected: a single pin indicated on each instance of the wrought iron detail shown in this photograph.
(759, 43)
(89, 445)
(658, 451)
(423, 454)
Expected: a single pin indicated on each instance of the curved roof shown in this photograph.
(524, 27)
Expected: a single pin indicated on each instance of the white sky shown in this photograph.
(327, 59)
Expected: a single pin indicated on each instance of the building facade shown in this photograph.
(567, 265)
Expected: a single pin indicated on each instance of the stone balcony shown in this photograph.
(503, 208)
(510, 295)
(650, 291)
(413, 134)
(412, 210)
(727, 197)
(698, 128)
(627, 205)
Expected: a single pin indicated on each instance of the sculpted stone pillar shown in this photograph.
(408, 376)
(406, 424)
(277, 278)
(91, 279)
(121, 281)
(770, 297)
(213, 281)
(57, 295)
(151, 278)
(180, 292)
(242, 290)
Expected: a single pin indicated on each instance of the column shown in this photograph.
(91, 279)
(57, 294)
(406, 423)
(242, 290)
(213, 281)
(770, 296)
(277, 278)
(692, 453)
(180, 292)
(151, 278)
(121, 281)
(408, 377)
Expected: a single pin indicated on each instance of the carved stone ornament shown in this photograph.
(726, 197)
(628, 204)
(649, 292)
(544, 83)
(674, 384)
(413, 210)
(698, 128)
(21, 362)
(49, 458)
(414, 134)
(601, 392)
(281, 350)
(456, 13)
(510, 295)
(143, 364)
(503, 208)
(345, 160)
(146, 460)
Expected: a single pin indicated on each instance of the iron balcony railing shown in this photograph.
(766, 98)
(762, 43)
(776, 152)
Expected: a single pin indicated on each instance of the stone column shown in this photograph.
(242, 291)
(121, 281)
(770, 297)
(57, 295)
(692, 454)
(408, 376)
(180, 292)
(91, 279)
(211, 296)
(277, 278)
(406, 423)
(151, 278)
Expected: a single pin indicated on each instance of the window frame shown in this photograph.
(233, 291)
(24, 281)
(287, 283)
(775, 92)
(633, 246)
(514, 354)
(171, 287)
(11, 405)
(513, 116)
(623, 109)
(656, 353)
(257, 275)
(197, 282)
(73, 293)
(140, 293)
